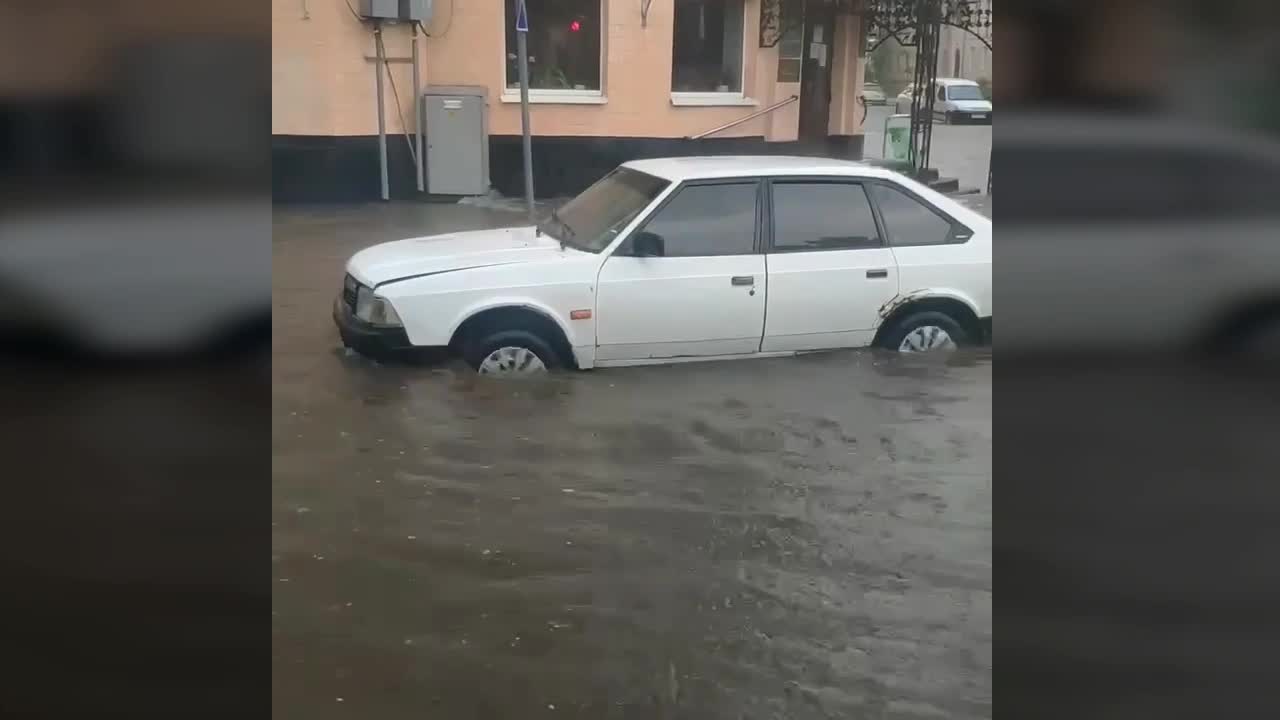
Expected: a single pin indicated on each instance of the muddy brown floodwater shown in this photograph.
(789, 538)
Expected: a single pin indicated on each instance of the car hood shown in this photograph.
(972, 105)
(407, 258)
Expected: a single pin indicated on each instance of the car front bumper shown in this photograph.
(977, 117)
(365, 338)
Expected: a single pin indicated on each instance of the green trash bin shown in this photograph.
(897, 138)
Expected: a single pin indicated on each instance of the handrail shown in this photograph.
(741, 120)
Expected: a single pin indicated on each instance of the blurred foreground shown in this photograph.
(1135, 500)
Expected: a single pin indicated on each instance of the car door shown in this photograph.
(829, 267)
(932, 250)
(703, 293)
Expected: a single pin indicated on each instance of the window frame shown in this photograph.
(558, 95)
(770, 244)
(624, 248)
(715, 97)
(957, 228)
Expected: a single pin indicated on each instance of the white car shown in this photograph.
(955, 100)
(127, 279)
(1144, 234)
(692, 258)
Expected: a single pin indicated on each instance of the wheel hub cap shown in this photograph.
(512, 361)
(927, 338)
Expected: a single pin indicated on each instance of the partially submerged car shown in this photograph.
(678, 259)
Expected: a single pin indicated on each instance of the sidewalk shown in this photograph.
(959, 151)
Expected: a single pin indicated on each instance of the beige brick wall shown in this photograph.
(324, 86)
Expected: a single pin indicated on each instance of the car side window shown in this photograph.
(907, 221)
(705, 221)
(822, 216)
(942, 93)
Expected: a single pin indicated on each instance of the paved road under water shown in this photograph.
(789, 538)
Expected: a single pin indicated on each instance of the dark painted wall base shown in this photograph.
(338, 169)
(345, 169)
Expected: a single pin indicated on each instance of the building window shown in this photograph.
(706, 53)
(564, 45)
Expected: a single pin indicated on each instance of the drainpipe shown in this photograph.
(417, 111)
(382, 112)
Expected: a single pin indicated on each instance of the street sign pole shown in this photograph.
(522, 49)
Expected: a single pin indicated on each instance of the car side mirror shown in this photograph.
(647, 244)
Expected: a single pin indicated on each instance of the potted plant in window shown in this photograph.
(553, 77)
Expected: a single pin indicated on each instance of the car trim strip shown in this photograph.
(438, 272)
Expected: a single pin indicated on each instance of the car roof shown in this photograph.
(677, 169)
(955, 81)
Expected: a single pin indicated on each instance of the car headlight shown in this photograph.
(375, 310)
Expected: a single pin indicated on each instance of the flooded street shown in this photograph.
(788, 538)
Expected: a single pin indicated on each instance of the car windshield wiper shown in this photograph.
(555, 215)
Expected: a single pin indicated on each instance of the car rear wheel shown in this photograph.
(511, 353)
(927, 331)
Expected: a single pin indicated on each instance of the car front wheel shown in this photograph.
(927, 331)
(511, 353)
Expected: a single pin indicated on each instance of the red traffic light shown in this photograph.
(575, 26)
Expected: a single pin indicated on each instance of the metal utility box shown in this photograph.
(457, 137)
(405, 10)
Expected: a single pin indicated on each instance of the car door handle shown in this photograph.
(878, 273)
(742, 280)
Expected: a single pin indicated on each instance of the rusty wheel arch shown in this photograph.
(903, 305)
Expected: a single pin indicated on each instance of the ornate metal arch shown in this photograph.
(971, 31)
(892, 17)
(913, 23)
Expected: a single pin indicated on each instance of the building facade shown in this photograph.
(893, 66)
(611, 80)
(961, 54)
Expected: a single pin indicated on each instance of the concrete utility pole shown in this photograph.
(417, 114)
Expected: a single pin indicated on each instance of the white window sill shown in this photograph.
(552, 97)
(711, 99)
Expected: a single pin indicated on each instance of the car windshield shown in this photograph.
(965, 92)
(594, 218)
